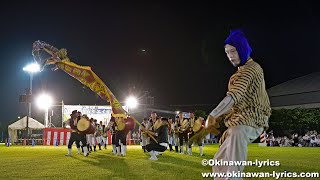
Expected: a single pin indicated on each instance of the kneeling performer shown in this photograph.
(162, 138)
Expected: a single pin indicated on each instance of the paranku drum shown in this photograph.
(127, 124)
(85, 126)
(198, 125)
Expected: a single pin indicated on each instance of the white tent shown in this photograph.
(22, 124)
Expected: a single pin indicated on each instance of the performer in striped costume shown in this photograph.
(247, 104)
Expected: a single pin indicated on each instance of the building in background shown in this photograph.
(301, 92)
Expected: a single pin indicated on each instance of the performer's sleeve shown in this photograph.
(240, 85)
(223, 107)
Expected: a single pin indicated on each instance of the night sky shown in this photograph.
(183, 63)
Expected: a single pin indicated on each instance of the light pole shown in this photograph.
(31, 69)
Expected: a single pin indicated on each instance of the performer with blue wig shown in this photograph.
(245, 108)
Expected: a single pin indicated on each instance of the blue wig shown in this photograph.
(239, 41)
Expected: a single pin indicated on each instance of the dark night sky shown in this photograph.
(185, 61)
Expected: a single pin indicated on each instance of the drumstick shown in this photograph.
(144, 128)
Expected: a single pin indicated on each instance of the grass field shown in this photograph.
(50, 162)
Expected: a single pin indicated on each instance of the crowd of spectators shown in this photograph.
(309, 139)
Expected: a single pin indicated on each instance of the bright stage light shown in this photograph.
(44, 101)
(132, 102)
(32, 68)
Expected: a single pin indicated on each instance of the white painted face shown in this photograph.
(232, 55)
